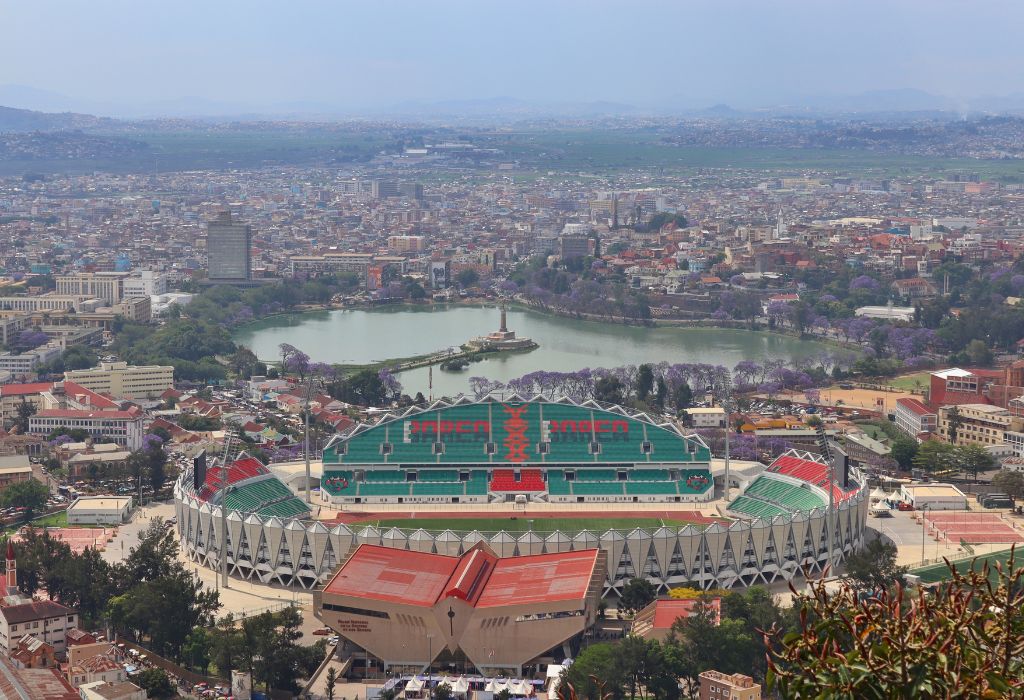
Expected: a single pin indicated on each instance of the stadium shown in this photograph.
(526, 477)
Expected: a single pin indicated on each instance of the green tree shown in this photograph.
(682, 397)
(195, 653)
(467, 277)
(30, 495)
(963, 640)
(874, 567)
(903, 450)
(609, 389)
(933, 456)
(329, 680)
(442, 691)
(156, 683)
(636, 595)
(597, 670)
(974, 459)
(1009, 482)
(644, 382)
(954, 421)
(25, 411)
(979, 353)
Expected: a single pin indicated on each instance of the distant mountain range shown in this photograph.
(30, 108)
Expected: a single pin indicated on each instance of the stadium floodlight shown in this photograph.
(724, 390)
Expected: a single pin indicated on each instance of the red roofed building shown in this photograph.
(122, 427)
(11, 396)
(656, 620)
(407, 608)
(915, 419)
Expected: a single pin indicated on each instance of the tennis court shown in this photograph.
(973, 528)
(940, 572)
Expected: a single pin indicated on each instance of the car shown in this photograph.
(333, 640)
(323, 631)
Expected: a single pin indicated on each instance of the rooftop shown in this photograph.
(478, 577)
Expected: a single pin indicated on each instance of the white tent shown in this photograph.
(496, 685)
(414, 685)
(878, 494)
(521, 688)
(461, 685)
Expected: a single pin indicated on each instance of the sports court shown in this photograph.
(80, 538)
(970, 527)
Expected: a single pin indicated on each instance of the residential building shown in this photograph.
(33, 683)
(713, 417)
(12, 395)
(980, 424)
(122, 427)
(121, 380)
(228, 250)
(89, 663)
(101, 690)
(32, 652)
(380, 189)
(108, 286)
(145, 283)
(14, 469)
(573, 247)
(24, 364)
(715, 685)
(407, 244)
(914, 418)
(44, 619)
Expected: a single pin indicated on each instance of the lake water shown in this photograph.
(362, 336)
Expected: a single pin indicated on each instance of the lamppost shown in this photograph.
(430, 663)
(924, 528)
(725, 389)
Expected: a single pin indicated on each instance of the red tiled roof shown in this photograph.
(77, 391)
(25, 389)
(36, 610)
(72, 413)
(915, 406)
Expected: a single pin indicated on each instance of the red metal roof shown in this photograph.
(394, 575)
(540, 578)
(71, 413)
(478, 577)
(915, 406)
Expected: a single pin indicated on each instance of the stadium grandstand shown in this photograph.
(795, 482)
(503, 450)
(251, 488)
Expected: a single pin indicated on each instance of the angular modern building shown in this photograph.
(410, 609)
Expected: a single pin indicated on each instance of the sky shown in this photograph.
(373, 54)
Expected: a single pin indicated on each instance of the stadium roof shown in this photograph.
(478, 577)
(504, 429)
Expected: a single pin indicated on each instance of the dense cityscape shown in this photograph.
(501, 398)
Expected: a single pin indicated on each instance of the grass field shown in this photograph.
(911, 382)
(520, 524)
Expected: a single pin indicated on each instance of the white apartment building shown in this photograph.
(713, 417)
(108, 286)
(122, 427)
(121, 380)
(914, 418)
(145, 283)
(43, 619)
(25, 363)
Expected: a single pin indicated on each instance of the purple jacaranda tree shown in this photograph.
(29, 339)
(297, 363)
(392, 387)
(151, 442)
(827, 298)
(737, 280)
(482, 386)
(864, 282)
(777, 311)
(1017, 283)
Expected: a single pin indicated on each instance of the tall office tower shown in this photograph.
(228, 250)
(385, 188)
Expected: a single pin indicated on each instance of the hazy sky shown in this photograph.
(382, 52)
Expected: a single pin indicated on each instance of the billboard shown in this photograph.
(439, 275)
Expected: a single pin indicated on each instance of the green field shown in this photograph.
(522, 524)
(940, 572)
(911, 382)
